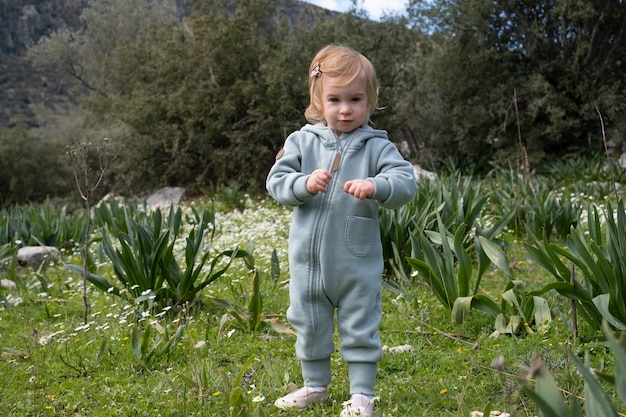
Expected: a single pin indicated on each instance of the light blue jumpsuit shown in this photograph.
(335, 252)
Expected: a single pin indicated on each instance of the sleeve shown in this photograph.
(395, 183)
(285, 182)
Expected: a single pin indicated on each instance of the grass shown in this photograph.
(53, 364)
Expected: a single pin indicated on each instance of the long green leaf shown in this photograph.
(495, 254)
(582, 256)
(461, 308)
(432, 279)
(98, 281)
(546, 388)
(597, 401)
(255, 306)
(463, 305)
(602, 302)
(544, 406)
(448, 262)
(464, 266)
(275, 264)
(618, 347)
(135, 342)
(543, 316)
(576, 291)
(146, 352)
(485, 304)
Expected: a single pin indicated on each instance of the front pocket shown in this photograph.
(360, 235)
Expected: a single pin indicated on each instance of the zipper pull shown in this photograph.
(336, 161)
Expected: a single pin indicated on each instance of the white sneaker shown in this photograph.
(301, 398)
(358, 406)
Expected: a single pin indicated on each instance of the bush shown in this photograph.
(32, 170)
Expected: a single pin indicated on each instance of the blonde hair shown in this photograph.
(343, 64)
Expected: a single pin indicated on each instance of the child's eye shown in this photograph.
(333, 99)
(356, 99)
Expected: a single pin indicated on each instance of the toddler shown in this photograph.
(335, 171)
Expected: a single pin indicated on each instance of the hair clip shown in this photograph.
(316, 71)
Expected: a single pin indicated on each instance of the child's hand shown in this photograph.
(318, 180)
(361, 189)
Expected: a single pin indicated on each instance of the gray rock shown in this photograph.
(166, 197)
(36, 255)
(7, 283)
(422, 173)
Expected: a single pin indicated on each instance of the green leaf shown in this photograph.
(275, 266)
(464, 266)
(258, 412)
(495, 254)
(235, 400)
(146, 352)
(255, 306)
(461, 308)
(485, 304)
(135, 342)
(546, 388)
(101, 351)
(513, 326)
(233, 311)
(597, 401)
(619, 350)
(576, 291)
(543, 405)
(98, 281)
(543, 316)
(463, 305)
(602, 302)
(487, 410)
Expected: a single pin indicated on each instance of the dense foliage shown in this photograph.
(207, 97)
(545, 67)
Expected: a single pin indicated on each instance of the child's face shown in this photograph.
(345, 107)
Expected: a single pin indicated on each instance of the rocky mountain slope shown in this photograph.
(23, 22)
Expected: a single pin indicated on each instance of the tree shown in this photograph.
(210, 98)
(31, 169)
(197, 99)
(561, 59)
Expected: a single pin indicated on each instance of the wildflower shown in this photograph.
(45, 339)
(398, 349)
(14, 301)
(258, 399)
(83, 327)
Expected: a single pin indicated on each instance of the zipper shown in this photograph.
(316, 286)
(336, 162)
